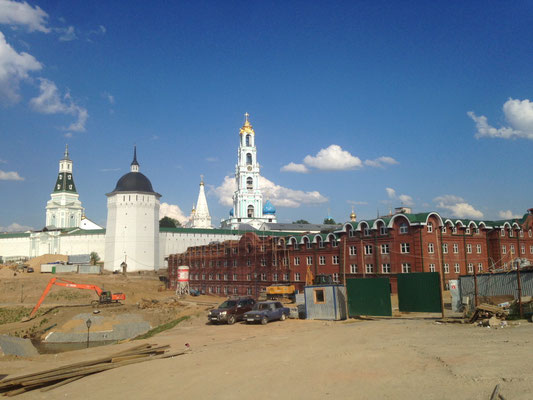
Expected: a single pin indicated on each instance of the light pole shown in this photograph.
(88, 323)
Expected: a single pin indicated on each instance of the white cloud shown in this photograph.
(406, 200)
(109, 97)
(519, 115)
(278, 195)
(458, 207)
(380, 162)
(67, 34)
(21, 13)
(14, 227)
(14, 67)
(508, 214)
(333, 158)
(293, 167)
(172, 211)
(50, 102)
(10, 176)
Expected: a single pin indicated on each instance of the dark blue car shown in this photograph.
(266, 311)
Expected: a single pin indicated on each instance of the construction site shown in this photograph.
(63, 334)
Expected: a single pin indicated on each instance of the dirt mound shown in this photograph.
(36, 262)
(6, 272)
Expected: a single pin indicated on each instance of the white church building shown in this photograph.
(132, 233)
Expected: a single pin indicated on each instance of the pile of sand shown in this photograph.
(36, 262)
(6, 272)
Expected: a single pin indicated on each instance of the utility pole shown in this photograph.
(519, 288)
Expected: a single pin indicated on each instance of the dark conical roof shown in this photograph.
(134, 182)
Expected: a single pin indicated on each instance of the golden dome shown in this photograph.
(353, 216)
(247, 127)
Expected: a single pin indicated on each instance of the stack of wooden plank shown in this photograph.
(484, 311)
(53, 378)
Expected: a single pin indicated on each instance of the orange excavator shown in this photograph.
(104, 297)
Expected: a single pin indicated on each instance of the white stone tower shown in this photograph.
(132, 233)
(64, 209)
(200, 217)
(248, 199)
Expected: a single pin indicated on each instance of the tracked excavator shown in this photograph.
(104, 296)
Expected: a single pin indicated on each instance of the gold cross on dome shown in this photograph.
(246, 115)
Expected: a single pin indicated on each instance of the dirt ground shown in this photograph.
(143, 296)
(398, 358)
(298, 359)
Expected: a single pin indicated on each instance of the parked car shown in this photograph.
(231, 311)
(266, 311)
(30, 269)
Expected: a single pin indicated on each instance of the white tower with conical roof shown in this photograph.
(132, 233)
(64, 209)
(200, 217)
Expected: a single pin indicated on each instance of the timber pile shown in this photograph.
(486, 311)
(53, 378)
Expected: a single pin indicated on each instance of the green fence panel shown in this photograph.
(368, 296)
(419, 292)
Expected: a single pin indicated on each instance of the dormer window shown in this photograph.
(454, 229)
(367, 231)
(382, 230)
(467, 231)
(502, 232)
(444, 229)
(430, 227)
(404, 228)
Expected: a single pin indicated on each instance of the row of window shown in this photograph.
(405, 248)
(262, 277)
(512, 249)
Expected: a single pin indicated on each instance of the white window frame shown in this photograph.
(431, 248)
(297, 276)
(406, 268)
(446, 268)
(385, 248)
(445, 248)
(430, 227)
(457, 268)
(369, 268)
(385, 268)
(353, 268)
(352, 250)
(368, 249)
(335, 260)
(321, 260)
(405, 248)
(431, 267)
(455, 248)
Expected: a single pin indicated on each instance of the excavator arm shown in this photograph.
(69, 284)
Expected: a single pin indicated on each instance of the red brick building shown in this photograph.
(400, 243)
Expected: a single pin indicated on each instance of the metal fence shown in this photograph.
(498, 284)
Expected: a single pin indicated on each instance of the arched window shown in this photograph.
(248, 159)
(248, 141)
(249, 183)
(250, 211)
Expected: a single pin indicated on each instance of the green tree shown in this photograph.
(94, 258)
(167, 222)
(301, 221)
(329, 221)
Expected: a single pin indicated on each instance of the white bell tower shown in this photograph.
(247, 199)
(64, 209)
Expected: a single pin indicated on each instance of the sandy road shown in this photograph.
(381, 359)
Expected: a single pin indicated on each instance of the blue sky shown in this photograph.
(364, 104)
